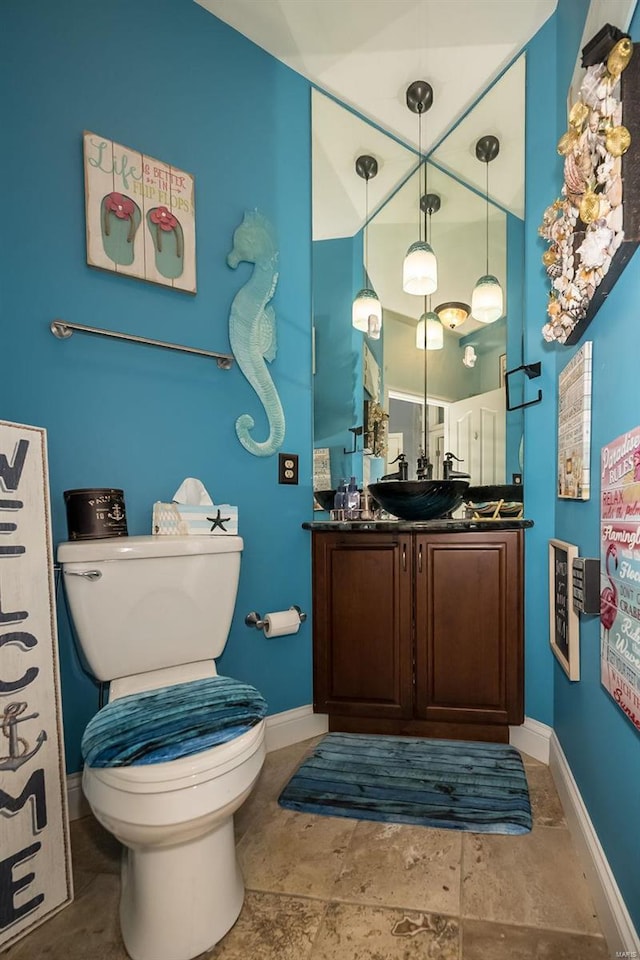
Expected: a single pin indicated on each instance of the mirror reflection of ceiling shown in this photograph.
(457, 237)
(339, 138)
(366, 52)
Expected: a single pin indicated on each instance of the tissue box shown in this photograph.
(171, 519)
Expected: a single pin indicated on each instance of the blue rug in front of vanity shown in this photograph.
(457, 784)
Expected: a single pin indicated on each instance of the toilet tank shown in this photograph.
(144, 603)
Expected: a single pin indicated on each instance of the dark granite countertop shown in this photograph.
(417, 526)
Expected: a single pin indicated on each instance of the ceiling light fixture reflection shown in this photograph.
(420, 268)
(366, 313)
(453, 313)
(487, 302)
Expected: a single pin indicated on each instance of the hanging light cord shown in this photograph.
(365, 282)
(487, 217)
(419, 162)
(427, 310)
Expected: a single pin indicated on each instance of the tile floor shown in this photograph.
(325, 888)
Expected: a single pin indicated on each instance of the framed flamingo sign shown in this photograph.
(140, 215)
(564, 626)
(620, 573)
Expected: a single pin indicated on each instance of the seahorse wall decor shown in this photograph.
(252, 327)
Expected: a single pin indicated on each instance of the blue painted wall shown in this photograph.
(542, 182)
(168, 79)
(515, 292)
(337, 277)
(601, 745)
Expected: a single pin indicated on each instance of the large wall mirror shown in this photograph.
(369, 394)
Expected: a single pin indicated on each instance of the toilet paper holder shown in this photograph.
(254, 619)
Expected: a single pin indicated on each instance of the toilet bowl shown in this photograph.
(177, 749)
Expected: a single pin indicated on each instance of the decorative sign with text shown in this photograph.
(140, 215)
(564, 626)
(574, 426)
(620, 573)
(35, 862)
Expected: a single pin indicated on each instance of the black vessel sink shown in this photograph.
(419, 499)
(325, 498)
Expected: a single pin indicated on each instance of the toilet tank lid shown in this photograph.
(133, 548)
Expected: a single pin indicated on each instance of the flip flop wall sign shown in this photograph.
(140, 215)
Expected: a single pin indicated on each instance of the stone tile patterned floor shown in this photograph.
(325, 888)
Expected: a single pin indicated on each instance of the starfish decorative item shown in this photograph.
(218, 521)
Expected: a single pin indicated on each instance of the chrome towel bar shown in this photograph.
(63, 330)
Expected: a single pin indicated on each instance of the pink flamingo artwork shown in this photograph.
(609, 596)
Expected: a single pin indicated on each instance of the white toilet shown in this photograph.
(177, 749)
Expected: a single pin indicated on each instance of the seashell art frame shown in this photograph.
(589, 230)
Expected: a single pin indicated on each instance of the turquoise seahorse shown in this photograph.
(252, 327)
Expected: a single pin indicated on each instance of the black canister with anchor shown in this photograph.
(94, 513)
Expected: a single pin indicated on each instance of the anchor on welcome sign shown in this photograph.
(11, 718)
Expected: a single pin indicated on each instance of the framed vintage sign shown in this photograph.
(35, 861)
(140, 215)
(564, 626)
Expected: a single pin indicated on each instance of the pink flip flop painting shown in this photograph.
(140, 215)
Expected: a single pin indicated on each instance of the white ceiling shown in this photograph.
(366, 52)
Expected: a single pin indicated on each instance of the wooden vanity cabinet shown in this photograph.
(419, 633)
(362, 624)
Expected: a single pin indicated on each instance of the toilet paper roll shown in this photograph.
(282, 623)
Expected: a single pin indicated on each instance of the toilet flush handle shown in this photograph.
(87, 574)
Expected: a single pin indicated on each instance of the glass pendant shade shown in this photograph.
(487, 304)
(420, 270)
(367, 305)
(429, 332)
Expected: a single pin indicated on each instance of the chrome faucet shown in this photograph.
(403, 469)
(448, 473)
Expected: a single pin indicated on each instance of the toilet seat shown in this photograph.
(184, 772)
(166, 724)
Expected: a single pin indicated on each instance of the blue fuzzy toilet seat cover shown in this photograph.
(171, 722)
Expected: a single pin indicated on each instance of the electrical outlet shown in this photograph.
(287, 468)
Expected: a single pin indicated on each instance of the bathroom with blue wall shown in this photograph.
(168, 79)
(193, 92)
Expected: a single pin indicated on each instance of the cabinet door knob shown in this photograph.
(420, 559)
(404, 556)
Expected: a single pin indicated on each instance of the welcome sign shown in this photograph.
(35, 863)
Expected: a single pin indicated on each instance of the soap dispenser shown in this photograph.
(353, 500)
(340, 499)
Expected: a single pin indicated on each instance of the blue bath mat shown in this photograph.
(459, 784)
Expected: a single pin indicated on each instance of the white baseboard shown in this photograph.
(283, 729)
(532, 738)
(292, 726)
(77, 804)
(617, 926)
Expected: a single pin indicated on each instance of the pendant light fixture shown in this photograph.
(366, 314)
(429, 332)
(420, 268)
(487, 302)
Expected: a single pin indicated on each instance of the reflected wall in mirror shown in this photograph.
(465, 412)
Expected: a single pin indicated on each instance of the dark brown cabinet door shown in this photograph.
(469, 629)
(362, 610)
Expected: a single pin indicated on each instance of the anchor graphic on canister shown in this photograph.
(11, 718)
